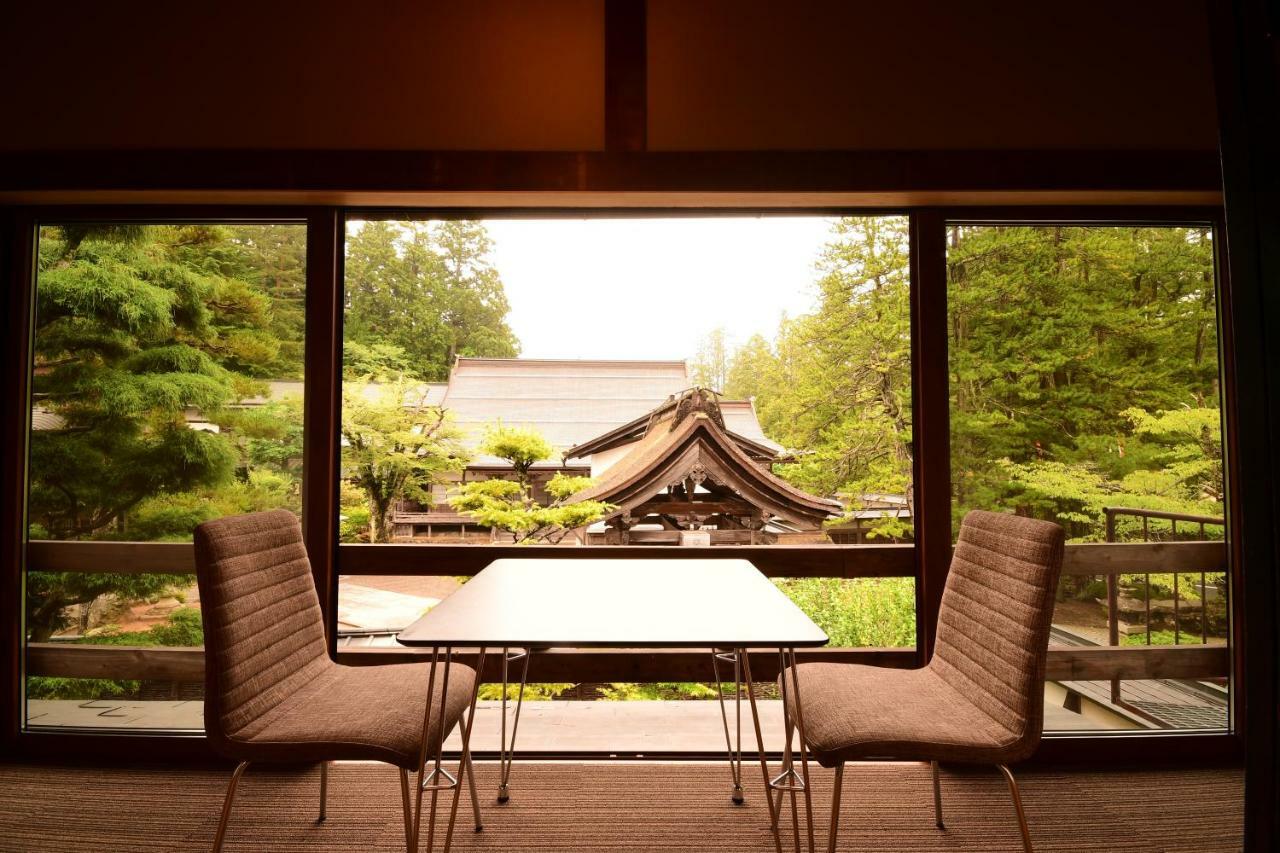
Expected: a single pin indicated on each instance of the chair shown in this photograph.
(272, 694)
(980, 699)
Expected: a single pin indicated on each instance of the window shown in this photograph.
(167, 383)
(1085, 390)
(500, 374)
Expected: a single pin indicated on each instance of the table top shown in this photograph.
(548, 603)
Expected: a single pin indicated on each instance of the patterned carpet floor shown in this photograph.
(616, 807)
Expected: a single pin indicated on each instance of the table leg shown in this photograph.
(464, 762)
(733, 748)
(804, 749)
(764, 758)
(506, 751)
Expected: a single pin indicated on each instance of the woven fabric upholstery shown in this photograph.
(271, 691)
(981, 698)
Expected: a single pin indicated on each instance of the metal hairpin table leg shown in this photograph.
(789, 781)
(764, 758)
(506, 751)
(733, 746)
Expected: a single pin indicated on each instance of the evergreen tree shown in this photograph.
(427, 289)
(135, 326)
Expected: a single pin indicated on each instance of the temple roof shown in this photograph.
(568, 401)
(687, 441)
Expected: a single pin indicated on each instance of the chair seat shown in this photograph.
(356, 713)
(854, 712)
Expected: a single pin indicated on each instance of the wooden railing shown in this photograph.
(1198, 536)
(852, 561)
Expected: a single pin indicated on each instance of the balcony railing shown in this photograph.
(1080, 663)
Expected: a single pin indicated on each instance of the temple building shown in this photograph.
(679, 463)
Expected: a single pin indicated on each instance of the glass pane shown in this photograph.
(501, 377)
(1085, 390)
(167, 388)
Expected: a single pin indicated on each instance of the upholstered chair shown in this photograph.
(980, 699)
(272, 693)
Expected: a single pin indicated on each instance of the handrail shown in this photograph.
(186, 664)
(1113, 582)
(839, 561)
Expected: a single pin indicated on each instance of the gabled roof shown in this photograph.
(568, 401)
(739, 417)
(674, 449)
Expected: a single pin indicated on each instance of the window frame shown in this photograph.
(324, 302)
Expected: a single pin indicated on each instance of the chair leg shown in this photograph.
(324, 787)
(1017, 806)
(471, 781)
(226, 805)
(835, 808)
(408, 809)
(937, 797)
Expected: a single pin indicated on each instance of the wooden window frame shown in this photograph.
(928, 557)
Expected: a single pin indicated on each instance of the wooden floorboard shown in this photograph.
(620, 806)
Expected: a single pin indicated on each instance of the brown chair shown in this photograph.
(272, 694)
(980, 699)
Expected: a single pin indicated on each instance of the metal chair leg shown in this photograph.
(226, 805)
(324, 787)
(1017, 806)
(835, 808)
(407, 808)
(937, 798)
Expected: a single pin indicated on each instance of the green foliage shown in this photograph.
(1084, 371)
(877, 612)
(427, 290)
(834, 386)
(135, 327)
(509, 504)
(52, 687)
(521, 446)
(395, 447)
(381, 361)
(710, 367)
(533, 692)
(182, 628)
(628, 691)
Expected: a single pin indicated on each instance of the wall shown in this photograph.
(722, 74)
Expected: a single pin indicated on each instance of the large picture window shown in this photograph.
(1085, 389)
(530, 382)
(522, 385)
(166, 390)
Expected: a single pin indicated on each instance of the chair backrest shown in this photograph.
(263, 631)
(993, 625)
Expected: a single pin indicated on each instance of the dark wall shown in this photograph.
(722, 74)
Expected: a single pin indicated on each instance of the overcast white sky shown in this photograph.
(652, 288)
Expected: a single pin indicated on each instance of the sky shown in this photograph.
(652, 288)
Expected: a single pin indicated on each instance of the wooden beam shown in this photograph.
(1113, 558)
(74, 660)
(18, 248)
(700, 508)
(288, 176)
(794, 561)
(126, 558)
(322, 401)
(931, 408)
(1102, 663)
(626, 83)
(1084, 663)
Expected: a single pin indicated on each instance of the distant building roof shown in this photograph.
(568, 401)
